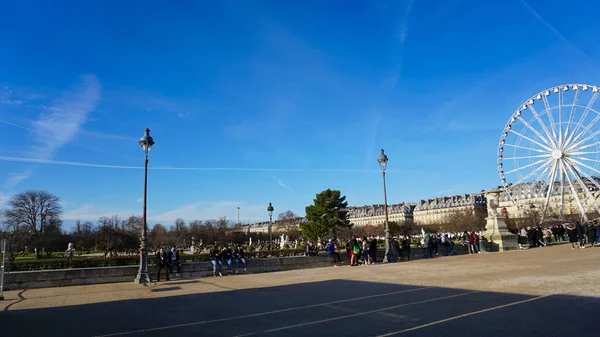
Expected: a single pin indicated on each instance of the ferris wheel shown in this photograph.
(549, 151)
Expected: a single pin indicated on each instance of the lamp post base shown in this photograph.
(142, 278)
(142, 275)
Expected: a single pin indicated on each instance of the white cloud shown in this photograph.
(65, 117)
(61, 122)
(204, 210)
(140, 199)
(201, 210)
(404, 24)
(93, 213)
(3, 199)
(556, 32)
(281, 183)
(73, 163)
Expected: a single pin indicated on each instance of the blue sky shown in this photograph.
(271, 101)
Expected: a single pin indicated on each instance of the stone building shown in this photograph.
(375, 215)
(436, 211)
(278, 226)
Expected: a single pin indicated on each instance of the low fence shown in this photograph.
(87, 276)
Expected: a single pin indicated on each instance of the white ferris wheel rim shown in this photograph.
(558, 148)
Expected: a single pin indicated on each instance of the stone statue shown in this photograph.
(496, 231)
(250, 244)
(70, 252)
(493, 201)
(193, 246)
(282, 242)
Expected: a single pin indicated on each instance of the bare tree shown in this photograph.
(289, 223)
(179, 232)
(37, 212)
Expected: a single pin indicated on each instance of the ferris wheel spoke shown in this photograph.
(571, 115)
(584, 115)
(582, 184)
(583, 147)
(551, 178)
(594, 181)
(528, 166)
(560, 116)
(546, 166)
(580, 172)
(577, 146)
(525, 148)
(531, 140)
(549, 114)
(536, 132)
(562, 192)
(587, 175)
(542, 124)
(574, 192)
(528, 157)
(584, 152)
(576, 142)
(589, 159)
(575, 161)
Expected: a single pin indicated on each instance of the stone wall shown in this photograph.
(83, 276)
(86, 276)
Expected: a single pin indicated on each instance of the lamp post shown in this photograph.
(383, 160)
(270, 209)
(142, 276)
(238, 215)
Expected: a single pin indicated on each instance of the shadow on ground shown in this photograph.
(335, 307)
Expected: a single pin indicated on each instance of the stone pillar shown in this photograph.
(496, 232)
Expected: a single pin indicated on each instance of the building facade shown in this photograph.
(436, 211)
(375, 214)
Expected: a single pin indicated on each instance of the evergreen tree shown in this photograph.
(325, 215)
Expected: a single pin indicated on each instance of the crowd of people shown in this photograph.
(362, 251)
(167, 260)
(578, 234)
(227, 255)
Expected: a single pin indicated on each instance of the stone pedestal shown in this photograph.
(498, 236)
(496, 232)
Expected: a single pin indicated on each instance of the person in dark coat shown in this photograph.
(239, 255)
(580, 234)
(397, 250)
(215, 259)
(162, 262)
(373, 249)
(174, 261)
(591, 234)
(572, 233)
(406, 247)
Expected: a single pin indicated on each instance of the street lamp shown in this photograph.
(383, 160)
(270, 209)
(142, 277)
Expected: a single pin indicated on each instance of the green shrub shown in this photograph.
(95, 262)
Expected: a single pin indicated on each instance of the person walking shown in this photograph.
(331, 251)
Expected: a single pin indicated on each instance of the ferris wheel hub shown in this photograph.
(557, 154)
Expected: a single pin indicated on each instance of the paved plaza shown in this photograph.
(549, 291)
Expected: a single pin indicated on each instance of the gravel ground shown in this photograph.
(500, 294)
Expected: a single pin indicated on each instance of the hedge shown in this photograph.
(95, 262)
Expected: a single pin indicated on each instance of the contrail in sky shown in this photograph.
(122, 167)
